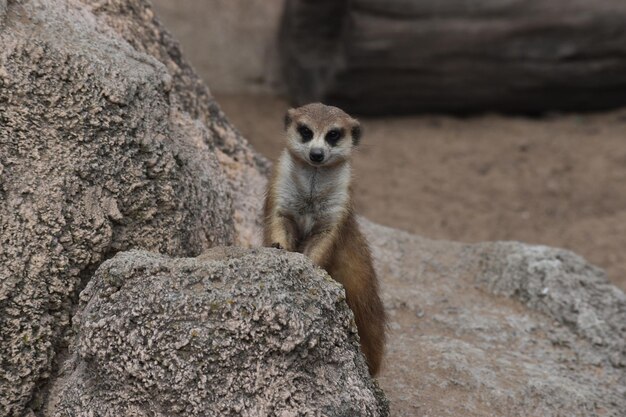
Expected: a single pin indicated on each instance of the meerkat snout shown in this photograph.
(317, 155)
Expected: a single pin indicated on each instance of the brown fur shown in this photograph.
(337, 246)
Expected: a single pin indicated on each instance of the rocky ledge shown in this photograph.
(232, 332)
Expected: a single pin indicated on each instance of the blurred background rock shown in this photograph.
(533, 175)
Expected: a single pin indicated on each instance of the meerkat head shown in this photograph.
(321, 135)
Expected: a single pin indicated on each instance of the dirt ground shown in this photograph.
(558, 181)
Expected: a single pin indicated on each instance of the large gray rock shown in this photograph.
(108, 141)
(233, 332)
(498, 329)
(135, 22)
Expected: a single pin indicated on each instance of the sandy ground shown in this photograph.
(558, 181)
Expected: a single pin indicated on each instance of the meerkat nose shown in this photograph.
(317, 155)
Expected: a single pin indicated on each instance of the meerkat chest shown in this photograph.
(314, 198)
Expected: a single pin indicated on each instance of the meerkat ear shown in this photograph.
(356, 133)
(288, 118)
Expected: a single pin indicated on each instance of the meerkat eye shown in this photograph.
(305, 133)
(333, 136)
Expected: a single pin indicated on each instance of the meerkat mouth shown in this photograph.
(317, 164)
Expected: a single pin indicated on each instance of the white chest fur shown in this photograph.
(312, 195)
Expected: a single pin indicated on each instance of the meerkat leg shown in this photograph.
(319, 245)
(282, 233)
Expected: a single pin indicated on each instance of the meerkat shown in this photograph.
(308, 209)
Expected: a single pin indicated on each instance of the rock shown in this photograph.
(233, 332)
(108, 141)
(405, 56)
(498, 329)
(245, 169)
(564, 287)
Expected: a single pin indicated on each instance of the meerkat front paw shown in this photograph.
(277, 245)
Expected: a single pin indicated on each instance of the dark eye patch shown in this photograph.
(333, 136)
(305, 133)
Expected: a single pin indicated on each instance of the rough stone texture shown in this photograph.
(108, 141)
(135, 22)
(564, 287)
(234, 332)
(498, 329)
(405, 56)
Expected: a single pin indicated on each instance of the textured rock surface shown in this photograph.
(498, 329)
(135, 22)
(108, 141)
(232, 332)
